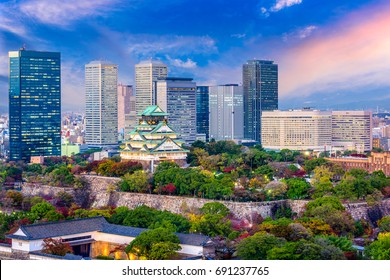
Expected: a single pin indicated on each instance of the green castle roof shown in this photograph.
(153, 110)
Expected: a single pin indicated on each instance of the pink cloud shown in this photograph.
(352, 53)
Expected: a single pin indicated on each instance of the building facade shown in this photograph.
(260, 86)
(226, 112)
(101, 112)
(177, 97)
(352, 129)
(154, 140)
(146, 74)
(127, 116)
(202, 111)
(34, 104)
(296, 129)
(375, 162)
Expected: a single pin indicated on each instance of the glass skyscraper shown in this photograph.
(260, 85)
(177, 97)
(202, 110)
(34, 104)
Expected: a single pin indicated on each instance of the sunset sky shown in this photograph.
(331, 54)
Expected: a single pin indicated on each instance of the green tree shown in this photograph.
(297, 188)
(42, 208)
(62, 176)
(215, 208)
(136, 182)
(311, 164)
(257, 246)
(380, 249)
(384, 224)
(142, 216)
(154, 244)
(276, 190)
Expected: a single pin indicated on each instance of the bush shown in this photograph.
(105, 258)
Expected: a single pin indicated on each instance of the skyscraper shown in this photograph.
(226, 112)
(34, 104)
(260, 85)
(101, 112)
(177, 97)
(202, 110)
(127, 117)
(146, 74)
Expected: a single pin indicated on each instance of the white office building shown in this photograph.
(101, 114)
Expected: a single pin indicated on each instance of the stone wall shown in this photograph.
(103, 191)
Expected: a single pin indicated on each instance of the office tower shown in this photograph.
(146, 74)
(352, 129)
(296, 129)
(226, 112)
(260, 85)
(34, 104)
(177, 97)
(127, 117)
(202, 111)
(101, 112)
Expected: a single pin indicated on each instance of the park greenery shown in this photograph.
(221, 171)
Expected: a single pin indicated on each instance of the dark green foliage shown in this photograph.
(105, 258)
(42, 208)
(384, 224)
(298, 188)
(311, 164)
(333, 203)
(257, 246)
(379, 249)
(215, 208)
(155, 244)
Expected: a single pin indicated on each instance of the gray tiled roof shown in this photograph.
(77, 226)
(56, 229)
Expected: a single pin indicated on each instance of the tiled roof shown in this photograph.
(153, 110)
(77, 226)
(61, 228)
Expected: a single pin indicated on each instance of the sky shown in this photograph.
(331, 54)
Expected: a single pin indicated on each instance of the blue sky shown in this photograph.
(331, 54)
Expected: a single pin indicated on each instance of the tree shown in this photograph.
(56, 247)
(380, 249)
(384, 224)
(215, 208)
(15, 197)
(311, 164)
(142, 216)
(266, 171)
(64, 199)
(136, 182)
(42, 208)
(154, 244)
(275, 190)
(297, 188)
(257, 246)
(62, 176)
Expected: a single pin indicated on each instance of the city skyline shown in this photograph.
(319, 46)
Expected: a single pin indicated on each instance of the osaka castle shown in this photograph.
(153, 141)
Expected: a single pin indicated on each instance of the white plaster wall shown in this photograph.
(21, 245)
(191, 250)
(119, 239)
(5, 249)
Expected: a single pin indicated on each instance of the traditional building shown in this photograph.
(153, 141)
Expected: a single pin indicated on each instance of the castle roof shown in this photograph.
(153, 111)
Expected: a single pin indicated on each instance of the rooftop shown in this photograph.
(153, 110)
(85, 225)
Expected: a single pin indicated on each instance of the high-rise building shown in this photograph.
(127, 116)
(260, 85)
(352, 129)
(34, 104)
(296, 129)
(177, 97)
(202, 111)
(146, 74)
(226, 112)
(101, 112)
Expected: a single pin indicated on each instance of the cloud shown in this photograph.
(10, 20)
(279, 5)
(282, 4)
(150, 45)
(188, 64)
(300, 33)
(62, 13)
(238, 36)
(349, 55)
